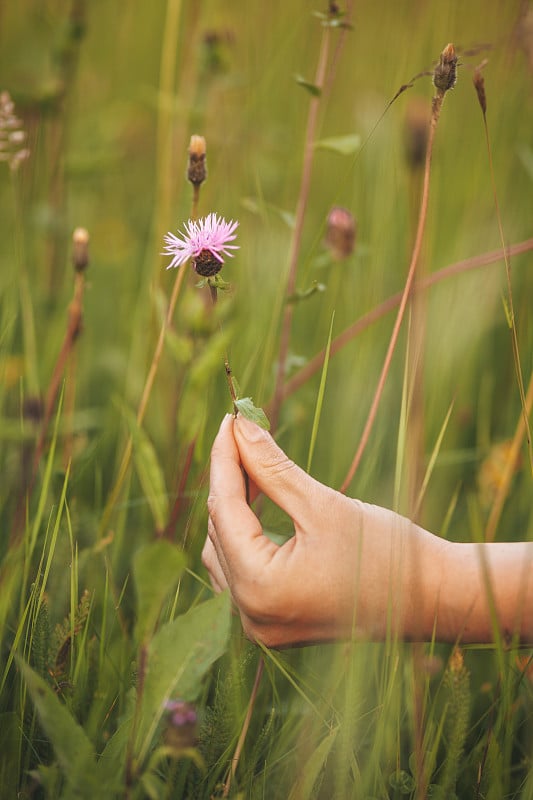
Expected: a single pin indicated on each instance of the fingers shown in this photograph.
(235, 531)
(212, 564)
(276, 475)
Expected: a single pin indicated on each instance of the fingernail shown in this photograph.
(249, 430)
(225, 419)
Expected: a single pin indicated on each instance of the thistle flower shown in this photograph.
(205, 242)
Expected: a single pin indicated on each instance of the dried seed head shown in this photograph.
(445, 74)
(80, 249)
(479, 84)
(197, 169)
(340, 232)
(12, 135)
(416, 132)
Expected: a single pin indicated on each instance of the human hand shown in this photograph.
(351, 568)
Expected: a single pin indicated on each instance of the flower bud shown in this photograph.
(197, 169)
(340, 233)
(180, 731)
(80, 249)
(445, 74)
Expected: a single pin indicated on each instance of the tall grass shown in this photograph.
(106, 615)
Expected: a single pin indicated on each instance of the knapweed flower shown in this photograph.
(205, 242)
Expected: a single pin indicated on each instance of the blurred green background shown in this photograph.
(110, 94)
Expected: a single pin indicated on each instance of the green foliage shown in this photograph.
(245, 406)
(157, 567)
(105, 613)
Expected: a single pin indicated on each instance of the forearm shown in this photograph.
(432, 588)
(486, 591)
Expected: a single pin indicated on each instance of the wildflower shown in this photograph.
(205, 242)
(12, 135)
(181, 719)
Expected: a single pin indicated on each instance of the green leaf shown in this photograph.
(303, 294)
(402, 782)
(149, 470)
(344, 145)
(316, 91)
(246, 407)
(156, 570)
(112, 762)
(178, 657)
(315, 764)
(72, 748)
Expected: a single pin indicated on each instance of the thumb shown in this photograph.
(274, 474)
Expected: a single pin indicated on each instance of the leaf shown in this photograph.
(149, 470)
(156, 570)
(333, 21)
(344, 145)
(112, 762)
(72, 748)
(313, 767)
(402, 782)
(303, 294)
(178, 657)
(246, 407)
(316, 91)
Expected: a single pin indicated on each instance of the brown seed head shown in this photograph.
(80, 249)
(445, 74)
(197, 169)
(340, 232)
(479, 84)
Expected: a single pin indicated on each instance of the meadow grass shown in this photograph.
(113, 385)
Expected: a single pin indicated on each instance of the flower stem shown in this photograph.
(312, 120)
(126, 456)
(437, 106)
(392, 302)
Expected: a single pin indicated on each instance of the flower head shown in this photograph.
(205, 242)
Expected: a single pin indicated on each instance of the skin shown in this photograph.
(351, 569)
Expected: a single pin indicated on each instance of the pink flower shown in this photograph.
(205, 242)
